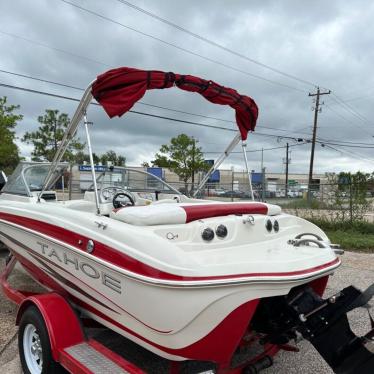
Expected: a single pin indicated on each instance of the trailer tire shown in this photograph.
(34, 345)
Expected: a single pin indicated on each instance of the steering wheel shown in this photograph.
(122, 203)
(107, 193)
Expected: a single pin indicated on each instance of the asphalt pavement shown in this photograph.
(357, 269)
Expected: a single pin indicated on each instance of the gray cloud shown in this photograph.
(327, 43)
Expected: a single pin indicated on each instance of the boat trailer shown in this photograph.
(303, 313)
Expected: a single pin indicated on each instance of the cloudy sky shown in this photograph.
(288, 48)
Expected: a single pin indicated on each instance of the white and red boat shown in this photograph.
(185, 278)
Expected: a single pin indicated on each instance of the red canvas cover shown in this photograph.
(118, 90)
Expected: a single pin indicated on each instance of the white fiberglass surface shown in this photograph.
(180, 249)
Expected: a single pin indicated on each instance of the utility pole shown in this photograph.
(263, 195)
(232, 183)
(193, 165)
(263, 192)
(316, 111)
(287, 161)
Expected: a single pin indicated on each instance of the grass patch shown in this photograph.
(301, 204)
(361, 227)
(352, 240)
(356, 235)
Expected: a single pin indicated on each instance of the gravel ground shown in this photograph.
(357, 269)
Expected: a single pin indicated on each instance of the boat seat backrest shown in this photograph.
(82, 205)
(168, 214)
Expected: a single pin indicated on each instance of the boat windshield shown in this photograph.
(29, 177)
(133, 180)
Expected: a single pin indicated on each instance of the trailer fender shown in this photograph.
(63, 325)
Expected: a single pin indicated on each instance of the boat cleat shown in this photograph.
(248, 219)
(299, 240)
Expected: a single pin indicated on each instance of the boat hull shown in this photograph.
(177, 319)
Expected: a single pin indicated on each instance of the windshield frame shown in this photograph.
(123, 168)
(27, 165)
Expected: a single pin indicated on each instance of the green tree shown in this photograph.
(112, 156)
(80, 157)
(183, 157)
(9, 156)
(47, 138)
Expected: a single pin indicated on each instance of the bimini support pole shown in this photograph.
(219, 161)
(69, 134)
(244, 148)
(92, 163)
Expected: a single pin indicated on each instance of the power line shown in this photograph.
(346, 145)
(351, 154)
(132, 111)
(40, 80)
(353, 112)
(215, 44)
(146, 114)
(139, 102)
(52, 48)
(180, 48)
(346, 119)
(339, 114)
(259, 150)
(343, 142)
(357, 98)
(359, 145)
(351, 109)
(341, 102)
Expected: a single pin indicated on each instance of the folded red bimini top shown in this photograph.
(119, 89)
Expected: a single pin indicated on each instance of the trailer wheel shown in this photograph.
(34, 346)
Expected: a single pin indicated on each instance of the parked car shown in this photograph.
(235, 194)
(216, 191)
(280, 193)
(291, 193)
(270, 194)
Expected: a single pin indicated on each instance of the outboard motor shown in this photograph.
(3, 179)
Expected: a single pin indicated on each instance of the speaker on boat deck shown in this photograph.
(208, 234)
(269, 225)
(221, 231)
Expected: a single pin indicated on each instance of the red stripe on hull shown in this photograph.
(196, 212)
(53, 284)
(218, 345)
(128, 263)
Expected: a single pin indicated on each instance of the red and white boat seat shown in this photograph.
(169, 214)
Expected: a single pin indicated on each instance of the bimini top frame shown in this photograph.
(68, 136)
(119, 89)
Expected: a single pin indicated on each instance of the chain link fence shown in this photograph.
(321, 195)
(342, 201)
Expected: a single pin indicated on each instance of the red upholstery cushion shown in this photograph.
(195, 212)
